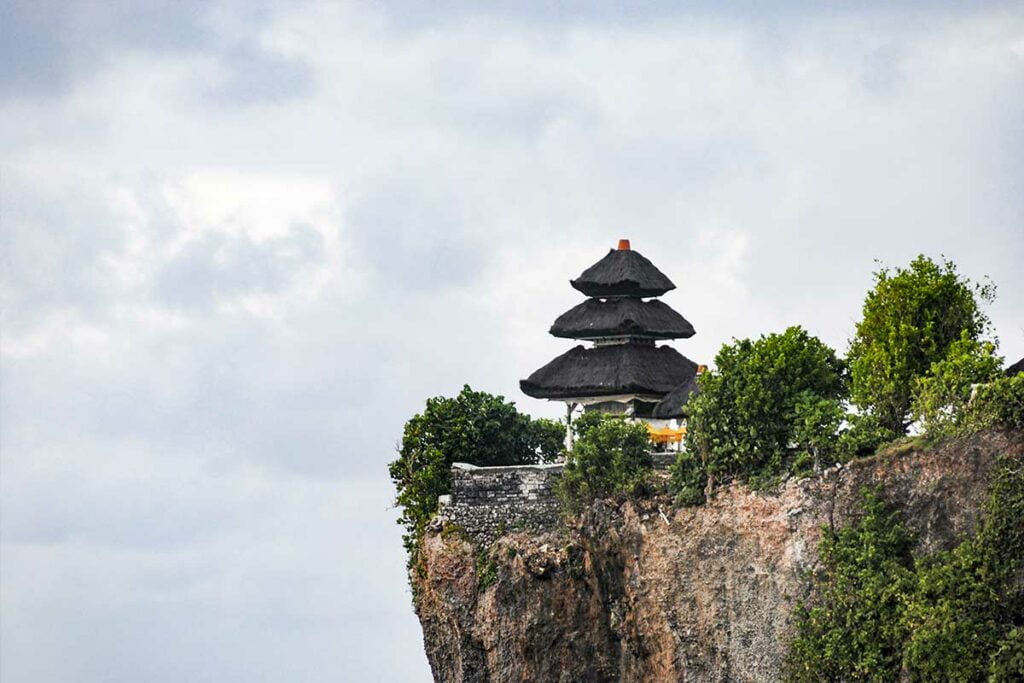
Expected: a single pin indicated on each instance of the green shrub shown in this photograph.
(862, 436)
(910, 319)
(610, 456)
(816, 424)
(486, 569)
(1007, 662)
(967, 600)
(474, 427)
(942, 397)
(768, 401)
(689, 479)
(998, 403)
(856, 630)
(954, 616)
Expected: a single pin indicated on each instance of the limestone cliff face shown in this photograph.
(639, 591)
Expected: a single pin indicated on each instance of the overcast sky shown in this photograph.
(244, 241)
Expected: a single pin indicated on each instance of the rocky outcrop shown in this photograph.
(640, 591)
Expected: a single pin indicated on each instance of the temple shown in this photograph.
(625, 371)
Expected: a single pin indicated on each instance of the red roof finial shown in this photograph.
(623, 245)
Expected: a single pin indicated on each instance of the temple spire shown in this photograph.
(624, 370)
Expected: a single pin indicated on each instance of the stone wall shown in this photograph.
(488, 501)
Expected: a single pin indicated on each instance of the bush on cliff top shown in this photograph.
(771, 406)
(911, 318)
(609, 457)
(997, 404)
(474, 427)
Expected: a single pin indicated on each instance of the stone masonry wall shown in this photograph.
(487, 501)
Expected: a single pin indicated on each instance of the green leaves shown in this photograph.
(769, 400)
(910, 320)
(1007, 662)
(855, 632)
(942, 397)
(881, 615)
(968, 600)
(609, 457)
(998, 403)
(475, 427)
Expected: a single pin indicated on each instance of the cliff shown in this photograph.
(640, 591)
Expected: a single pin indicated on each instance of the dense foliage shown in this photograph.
(844, 639)
(610, 456)
(967, 601)
(474, 427)
(770, 404)
(954, 616)
(910, 320)
(998, 403)
(942, 398)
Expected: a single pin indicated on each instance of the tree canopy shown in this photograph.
(474, 427)
(911, 318)
(767, 399)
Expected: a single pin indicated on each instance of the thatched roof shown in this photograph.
(674, 405)
(610, 371)
(623, 272)
(621, 317)
(1015, 369)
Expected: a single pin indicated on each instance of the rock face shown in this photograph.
(639, 591)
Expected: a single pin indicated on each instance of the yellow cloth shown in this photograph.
(665, 435)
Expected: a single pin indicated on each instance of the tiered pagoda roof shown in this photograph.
(596, 319)
(625, 363)
(623, 272)
(617, 370)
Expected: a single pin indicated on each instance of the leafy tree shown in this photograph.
(911, 317)
(767, 400)
(862, 435)
(474, 427)
(856, 630)
(610, 456)
(942, 397)
(689, 478)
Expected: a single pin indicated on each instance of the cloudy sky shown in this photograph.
(243, 241)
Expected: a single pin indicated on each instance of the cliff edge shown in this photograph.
(642, 591)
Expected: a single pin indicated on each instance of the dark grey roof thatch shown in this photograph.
(623, 272)
(621, 317)
(609, 371)
(674, 405)
(1016, 368)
